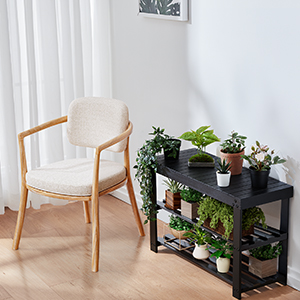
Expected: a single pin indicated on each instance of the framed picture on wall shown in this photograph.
(164, 9)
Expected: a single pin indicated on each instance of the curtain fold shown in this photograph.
(51, 52)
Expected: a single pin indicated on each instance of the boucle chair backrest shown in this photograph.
(94, 120)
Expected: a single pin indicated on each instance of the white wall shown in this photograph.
(234, 65)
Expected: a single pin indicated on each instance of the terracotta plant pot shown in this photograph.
(236, 161)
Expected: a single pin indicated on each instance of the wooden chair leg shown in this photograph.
(86, 210)
(134, 207)
(95, 234)
(21, 215)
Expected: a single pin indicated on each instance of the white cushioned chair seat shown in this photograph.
(74, 176)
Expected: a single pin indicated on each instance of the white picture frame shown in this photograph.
(176, 10)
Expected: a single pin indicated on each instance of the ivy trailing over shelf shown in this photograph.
(146, 164)
(218, 211)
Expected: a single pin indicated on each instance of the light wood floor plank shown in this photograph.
(54, 261)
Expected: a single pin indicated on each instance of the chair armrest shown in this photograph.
(25, 133)
(116, 139)
(100, 148)
(43, 126)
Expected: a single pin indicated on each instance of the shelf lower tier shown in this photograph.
(262, 236)
(249, 281)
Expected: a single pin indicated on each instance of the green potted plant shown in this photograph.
(223, 253)
(168, 144)
(263, 260)
(223, 173)
(146, 164)
(260, 161)
(190, 202)
(232, 149)
(172, 194)
(219, 217)
(200, 237)
(201, 138)
(179, 227)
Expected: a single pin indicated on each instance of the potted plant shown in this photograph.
(169, 144)
(172, 194)
(219, 217)
(200, 237)
(223, 173)
(146, 164)
(201, 138)
(263, 260)
(190, 202)
(223, 253)
(232, 149)
(260, 164)
(179, 227)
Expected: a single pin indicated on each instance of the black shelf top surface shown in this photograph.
(238, 193)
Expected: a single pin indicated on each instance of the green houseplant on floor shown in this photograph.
(201, 138)
(146, 164)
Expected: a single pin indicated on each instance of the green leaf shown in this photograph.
(188, 136)
(202, 129)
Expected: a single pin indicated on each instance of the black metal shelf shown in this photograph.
(248, 280)
(239, 195)
(260, 237)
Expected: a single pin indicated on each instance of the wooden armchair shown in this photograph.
(91, 122)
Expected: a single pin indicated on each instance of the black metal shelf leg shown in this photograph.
(237, 256)
(153, 223)
(284, 226)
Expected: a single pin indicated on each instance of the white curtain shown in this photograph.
(51, 52)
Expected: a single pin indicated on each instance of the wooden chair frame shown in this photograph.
(94, 198)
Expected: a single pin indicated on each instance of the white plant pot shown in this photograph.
(201, 252)
(223, 180)
(223, 264)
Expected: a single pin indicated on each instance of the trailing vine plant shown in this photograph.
(146, 164)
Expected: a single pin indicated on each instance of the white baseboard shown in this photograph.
(293, 278)
(123, 195)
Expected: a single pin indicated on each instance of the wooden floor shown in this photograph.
(54, 261)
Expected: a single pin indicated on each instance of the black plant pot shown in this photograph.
(259, 179)
(173, 154)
